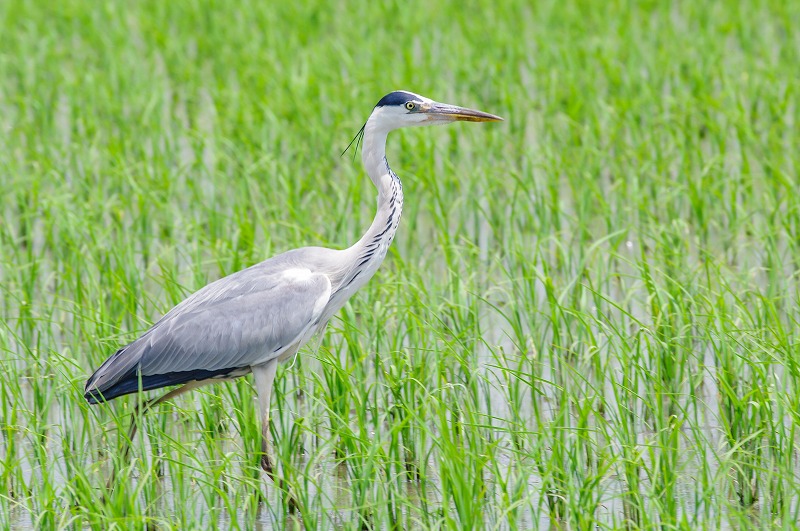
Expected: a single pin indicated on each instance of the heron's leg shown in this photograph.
(265, 376)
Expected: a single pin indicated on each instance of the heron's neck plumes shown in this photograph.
(373, 155)
(390, 190)
(370, 250)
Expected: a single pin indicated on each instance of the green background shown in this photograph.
(589, 316)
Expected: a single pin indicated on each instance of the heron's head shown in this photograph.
(406, 109)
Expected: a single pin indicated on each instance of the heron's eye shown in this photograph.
(410, 105)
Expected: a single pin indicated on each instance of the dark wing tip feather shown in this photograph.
(93, 397)
(95, 394)
(131, 384)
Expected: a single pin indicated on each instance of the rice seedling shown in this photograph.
(589, 317)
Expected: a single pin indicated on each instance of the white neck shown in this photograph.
(368, 253)
(373, 155)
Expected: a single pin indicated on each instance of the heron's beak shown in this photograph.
(452, 113)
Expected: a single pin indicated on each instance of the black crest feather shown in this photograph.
(398, 97)
(358, 139)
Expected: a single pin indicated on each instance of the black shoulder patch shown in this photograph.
(398, 97)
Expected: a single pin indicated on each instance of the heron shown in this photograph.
(251, 320)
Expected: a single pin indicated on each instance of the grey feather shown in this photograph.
(254, 318)
(244, 319)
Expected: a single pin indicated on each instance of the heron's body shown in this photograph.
(252, 319)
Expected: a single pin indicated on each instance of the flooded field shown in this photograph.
(589, 317)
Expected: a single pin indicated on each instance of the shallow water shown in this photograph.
(500, 361)
(493, 364)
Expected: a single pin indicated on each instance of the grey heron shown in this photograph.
(253, 319)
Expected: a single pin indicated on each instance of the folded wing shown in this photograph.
(242, 320)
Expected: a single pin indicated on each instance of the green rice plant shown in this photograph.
(588, 318)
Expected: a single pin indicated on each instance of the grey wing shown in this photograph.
(241, 320)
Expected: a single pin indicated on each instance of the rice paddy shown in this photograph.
(588, 319)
